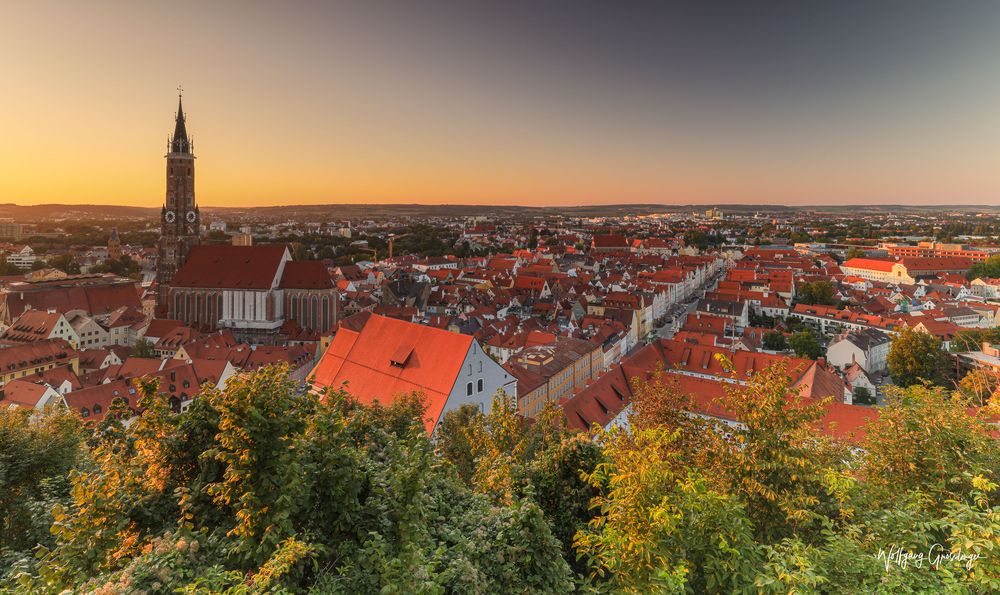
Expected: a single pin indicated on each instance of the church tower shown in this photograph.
(179, 219)
(114, 245)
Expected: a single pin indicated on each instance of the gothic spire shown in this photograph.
(180, 142)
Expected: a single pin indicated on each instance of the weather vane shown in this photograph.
(180, 90)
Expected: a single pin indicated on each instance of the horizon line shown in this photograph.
(525, 206)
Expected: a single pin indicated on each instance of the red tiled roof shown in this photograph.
(231, 267)
(67, 295)
(32, 355)
(363, 360)
(610, 241)
(871, 264)
(160, 327)
(920, 263)
(32, 325)
(86, 400)
(305, 274)
(23, 392)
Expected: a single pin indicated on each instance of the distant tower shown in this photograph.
(114, 245)
(179, 219)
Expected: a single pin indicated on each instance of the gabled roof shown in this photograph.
(610, 241)
(871, 264)
(32, 325)
(930, 263)
(160, 327)
(364, 361)
(231, 267)
(24, 392)
(93, 295)
(32, 355)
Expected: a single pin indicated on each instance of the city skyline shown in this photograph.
(561, 104)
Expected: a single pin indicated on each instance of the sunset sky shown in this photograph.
(504, 102)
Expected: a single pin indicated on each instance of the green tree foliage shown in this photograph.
(7, 269)
(660, 530)
(143, 347)
(36, 453)
(916, 357)
(774, 507)
(702, 240)
(509, 459)
(863, 396)
(817, 292)
(989, 268)
(65, 263)
(972, 339)
(804, 344)
(123, 266)
(855, 252)
(775, 341)
(263, 487)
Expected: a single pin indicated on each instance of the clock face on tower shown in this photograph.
(190, 216)
(169, 217)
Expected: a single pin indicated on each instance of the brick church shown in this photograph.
(258, 292)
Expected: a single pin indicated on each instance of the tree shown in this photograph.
(804, 344)
(266, 487)
(143, 348)
(661, 529)
(855, 252)
(915, 357)
(65, 263)
(972, 339)
(925, 440)
(989, 268)
(37, 451)
(979, 386)
(455, 439)
(7, 269)
(300, 251)
(817, 292)
(775, 341)
(863, 396)
(123, 266)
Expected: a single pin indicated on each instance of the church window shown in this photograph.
(326, 313)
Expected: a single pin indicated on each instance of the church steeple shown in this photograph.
(180, 143)
(180, 220)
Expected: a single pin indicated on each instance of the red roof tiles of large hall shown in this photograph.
(230, 267)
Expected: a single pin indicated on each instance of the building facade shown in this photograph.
(252, 291)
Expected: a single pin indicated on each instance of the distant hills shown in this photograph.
(58, 212)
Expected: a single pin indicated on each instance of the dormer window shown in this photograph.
(401, 356)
